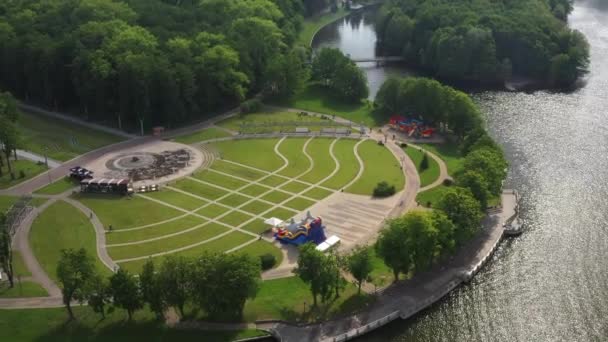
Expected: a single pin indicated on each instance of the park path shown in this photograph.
(37, 158)
(355, 125)
(443, 171)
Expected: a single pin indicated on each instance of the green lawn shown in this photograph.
(256, 226)
(220, 179)
(256, 207)
(234, 200)
(313, 24)
(212, 210)
(254, 190)
(222, 244)
(235, 218)
(324, 165)
(199, 189)
(428, 175)
(22, 289)
(381, 275)
(275, 121)
(177, 199)
(273, 181)
(236, 170)
(276, 196)
(258, 153)
(60, 140)
(293, 150)
(431, 196)
(344, 150)
(29, 168)
(449, 153)
(58, 187)
(299, 203)
(202, 135)
(62, 226)
(380, 165)
(317, 193)
(6, 202)
(280, 213)
(126, 212)
(315, 98)
(260, 248)
(123, 236)
(284, 299)
(295, 187)
(19, 267)
(30, 325)
(157, 246)
(37, 202)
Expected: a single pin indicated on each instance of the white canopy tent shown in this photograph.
(273, 221)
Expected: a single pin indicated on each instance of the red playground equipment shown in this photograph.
(412, 127)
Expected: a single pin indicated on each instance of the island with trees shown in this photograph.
(486, 41)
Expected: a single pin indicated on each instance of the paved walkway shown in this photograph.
(37, 158)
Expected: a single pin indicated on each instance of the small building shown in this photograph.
(106, 186)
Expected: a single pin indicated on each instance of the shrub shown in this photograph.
(251, 106)
(383, 189)
(424, 163)
(403, 145)
(380, 143)
(21, 174)
(448, 182)
(267, 261)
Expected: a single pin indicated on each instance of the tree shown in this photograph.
(151, 290)
(9, 135)
(175, 279)
(98, 295)
(424, 163)
(75, 271)
(287, 74)
(317, 270)
(475, 182)
(445, 232)
(490, 164)
(6, 250)
(359, 265)
(223, 282)
(326, 64)
(463, 210)
(393, 248)
(126, 292)
(350, 83)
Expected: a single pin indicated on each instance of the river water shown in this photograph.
(551, 283)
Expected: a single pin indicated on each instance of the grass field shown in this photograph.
(22, 289)
(29, 168)
(60, 140)
(29, 325)
(212, 210)
(317, 193)
(275, 121)
(258, 153)
(324, 165)
(177, 199)
(57, 187)
(6, 202)
(449, 153)
(203, 233)
(220, 179)
(380, 165)
(430, 174)
(280, 213)
(431, 196)
(255, 190)
(202, 135)
(299, 203)
(61, 226)
(284, 299)
(181, 224)
(19, 267)
(344, 150)
(315, 98)
(273, 181)
(203, 190)
(126, 212)
(222, 244)
(295, 187)
(236, 170)
(293, 150)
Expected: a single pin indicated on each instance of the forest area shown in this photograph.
(486, 41)
(153, 61)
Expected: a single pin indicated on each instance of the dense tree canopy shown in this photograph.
(332, 69)
(123, 61)
(484, 40)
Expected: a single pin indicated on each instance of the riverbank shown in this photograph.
(407, 298)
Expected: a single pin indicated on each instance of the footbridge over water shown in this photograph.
(379, 59)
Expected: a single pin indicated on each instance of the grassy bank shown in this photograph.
(313, 24)
(29, 169)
